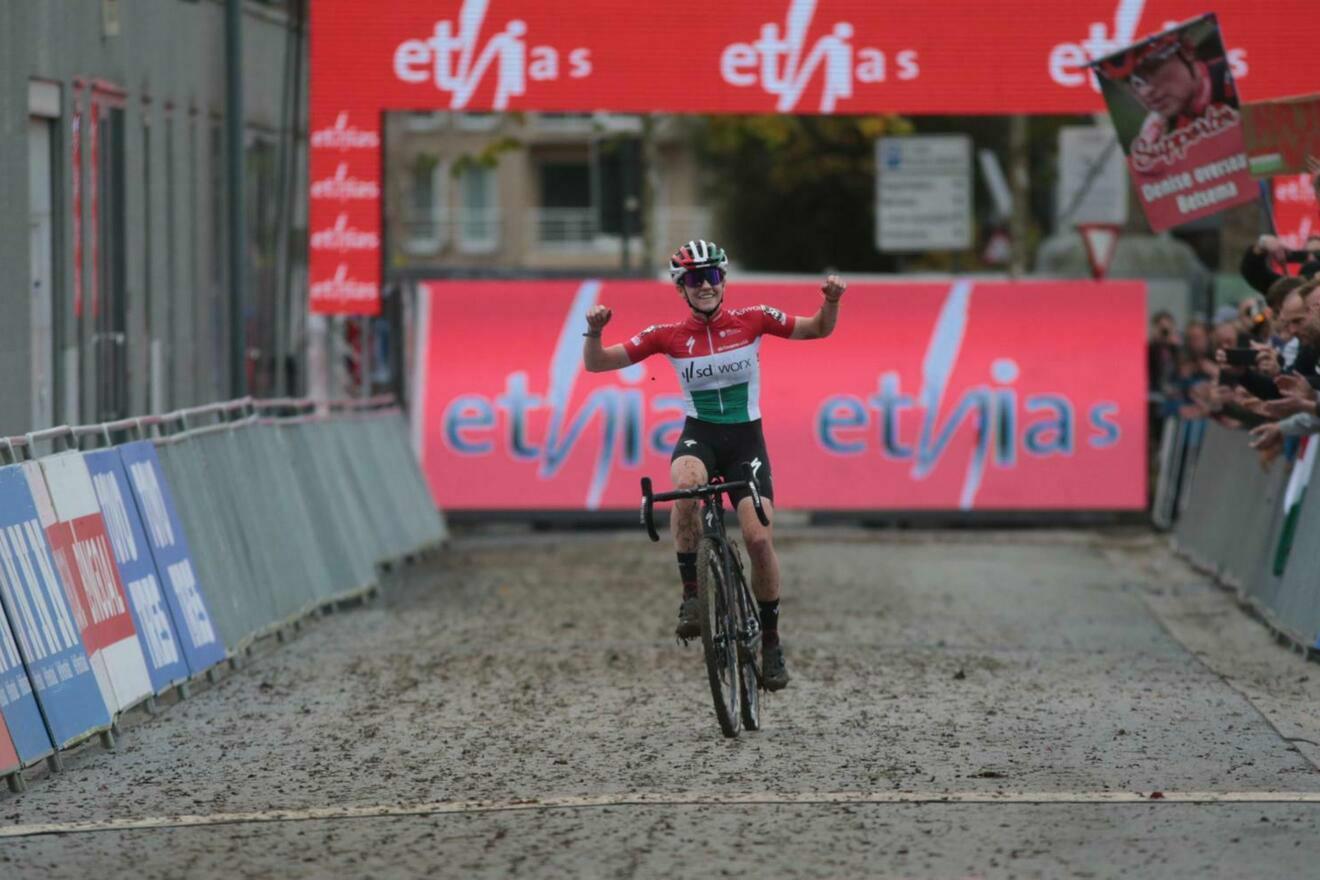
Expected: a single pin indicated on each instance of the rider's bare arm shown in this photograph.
(821, 324)
(598, 358)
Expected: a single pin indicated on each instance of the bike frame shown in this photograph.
(711, 496)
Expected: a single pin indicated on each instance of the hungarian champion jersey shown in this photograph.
(718, 363)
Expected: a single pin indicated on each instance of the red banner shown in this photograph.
(76, 178)
(961, 395)
(767, 56)
(1295, 211)
(94, 181)
(8, 757)
(81, 551)
(744, 56)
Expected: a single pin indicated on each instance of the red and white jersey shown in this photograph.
(718, 363)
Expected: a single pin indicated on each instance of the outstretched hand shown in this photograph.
(598, 316)
(833, 288)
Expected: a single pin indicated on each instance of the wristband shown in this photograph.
(591, 335)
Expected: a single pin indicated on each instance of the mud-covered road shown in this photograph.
(519, 708)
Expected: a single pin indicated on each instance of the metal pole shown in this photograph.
(235, 180)
(1019, 176)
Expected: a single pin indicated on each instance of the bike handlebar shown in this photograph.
(649, 497)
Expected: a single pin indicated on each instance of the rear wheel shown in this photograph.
(719, 640)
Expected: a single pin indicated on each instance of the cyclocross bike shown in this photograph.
(730, 625)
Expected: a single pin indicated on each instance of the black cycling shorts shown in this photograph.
(724, 448)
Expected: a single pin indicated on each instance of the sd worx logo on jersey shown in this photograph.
(695, 370)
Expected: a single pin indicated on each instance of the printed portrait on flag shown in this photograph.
(1174, 102)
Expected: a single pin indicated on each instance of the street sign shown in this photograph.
(1101, 242)
(923, 194)
(1093, 182)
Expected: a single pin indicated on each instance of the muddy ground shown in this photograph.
(520, 667)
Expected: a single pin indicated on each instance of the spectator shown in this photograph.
(1295, 411)
(1266, 261)
(1162, 353)
(1255, 320)
(1281, 288)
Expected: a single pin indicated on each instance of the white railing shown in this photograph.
(569, 228)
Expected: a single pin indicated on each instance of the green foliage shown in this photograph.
(796, 193)
(487, 157)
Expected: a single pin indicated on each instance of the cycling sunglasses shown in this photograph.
(693, 278)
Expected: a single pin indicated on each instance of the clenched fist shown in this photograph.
(597, 317)
(833, 288)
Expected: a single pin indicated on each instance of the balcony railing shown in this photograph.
(567, 228)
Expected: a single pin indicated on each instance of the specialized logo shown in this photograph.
(450, 59)
(341, 136)
(756, 467)
(689, 443)
(783, 65)
(692, 340)
(1068, 62)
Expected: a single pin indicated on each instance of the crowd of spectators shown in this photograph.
(1254, 365)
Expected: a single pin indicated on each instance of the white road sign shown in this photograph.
(1090, 159)
(923, 193)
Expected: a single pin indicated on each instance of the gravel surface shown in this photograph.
(522, 666)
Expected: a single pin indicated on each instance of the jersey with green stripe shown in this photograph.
(718, 362)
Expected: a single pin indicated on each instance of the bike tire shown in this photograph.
(749, 681)
(718, 635)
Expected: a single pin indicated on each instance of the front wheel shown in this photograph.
(719, 634)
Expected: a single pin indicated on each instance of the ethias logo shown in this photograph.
(450, 58)
(783, 65)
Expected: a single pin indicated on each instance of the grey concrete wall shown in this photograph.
(168, 58)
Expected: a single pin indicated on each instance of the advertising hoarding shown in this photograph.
(929, 396)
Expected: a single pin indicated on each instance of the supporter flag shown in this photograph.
(1292, 502)
(1279, 135)
(1173, 99)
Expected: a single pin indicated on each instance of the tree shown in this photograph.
(797, 193)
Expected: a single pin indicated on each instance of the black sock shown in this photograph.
(769, 623)
(687, 570)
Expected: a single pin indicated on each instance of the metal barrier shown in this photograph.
(1235, 527)
(254, 513)
(1180, 444)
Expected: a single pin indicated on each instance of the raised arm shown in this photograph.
(596, 357)
(821, 324)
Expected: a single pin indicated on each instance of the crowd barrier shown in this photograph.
(1254, 529)
(136, 556)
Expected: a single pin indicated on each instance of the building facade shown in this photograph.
(538, 193)
(117, 291)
